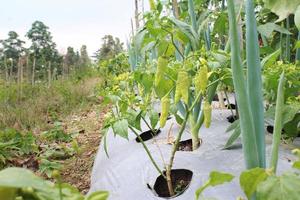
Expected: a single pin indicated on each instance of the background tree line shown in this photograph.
(41, 61)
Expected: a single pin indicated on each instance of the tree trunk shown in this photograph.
(27, 70)
(11, 70)
(33, 71)
(49, 74)
(6, 70)
(20, 77)
(63, 70)
(54, 74)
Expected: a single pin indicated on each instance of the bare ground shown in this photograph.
(77, 170)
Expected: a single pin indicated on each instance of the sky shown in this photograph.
(71, 22)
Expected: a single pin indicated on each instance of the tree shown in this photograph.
(84, 57)
(110, 47)
(40, 37)
(69, 60)
(42, 48)
(12, 50)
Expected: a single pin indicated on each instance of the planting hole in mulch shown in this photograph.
(181, 179)
(187, 145)
(147, 135)
(216, 98)
(270, 129)
(231, 118)
(230, 106)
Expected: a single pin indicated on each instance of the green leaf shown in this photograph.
(154, 117)
(99, 195)
(233, 126)
(268, 28)
(20, 178)
(215, 178)
(297, 17)
(270, 59)
(134, 118)
(112, 99)
(105, 142)
(218, 178)
(297, 45)
(250, 179)
(234, 136)
(278, 125)
(8, 193)
(163, 87)
(282, 8)
(221, 24)
(288, 114)
(120, 128)
(188, 31)
(47, 167)
(178, 119)
(291, 128)
(284, 187)
(296, 165)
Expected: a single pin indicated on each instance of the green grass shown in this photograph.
(37, 105)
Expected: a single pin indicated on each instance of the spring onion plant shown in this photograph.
(254, 82)
(277, 123)
(253, 151)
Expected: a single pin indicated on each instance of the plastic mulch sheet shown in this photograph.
(128, 170)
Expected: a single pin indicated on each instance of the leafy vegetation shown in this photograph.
(17, 183)
(180, 56)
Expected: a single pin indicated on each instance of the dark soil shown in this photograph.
(216, 98)
(77, 170)
(232, 106)
(187, 145)
(270, 129)
(231, 118)
(147, 135)
(181, 179)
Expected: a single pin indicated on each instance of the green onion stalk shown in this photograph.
(277, 123)
(298, 50)
(288, 42)
(249, 138)
(254, 82)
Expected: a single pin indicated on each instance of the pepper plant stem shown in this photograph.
(148, 152)
(176, 144)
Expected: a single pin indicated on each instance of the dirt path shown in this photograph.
(77, 170)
